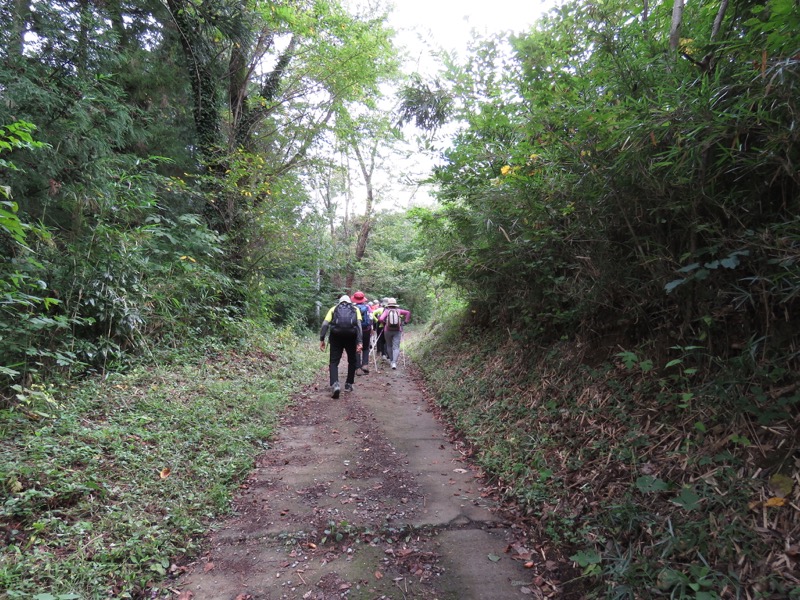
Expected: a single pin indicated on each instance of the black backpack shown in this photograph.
(344, 320)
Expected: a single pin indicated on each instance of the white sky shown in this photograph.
(447, 24)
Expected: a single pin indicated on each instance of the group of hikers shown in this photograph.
(352, 325)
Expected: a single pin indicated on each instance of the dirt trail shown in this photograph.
(363, 497)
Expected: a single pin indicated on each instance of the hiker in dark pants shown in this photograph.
(380, 341)
(344, 322)
(362, 305)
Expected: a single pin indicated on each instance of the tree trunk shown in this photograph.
(675, 28)
(206, 110)
(723, 7)
(239, 75)
(366, 226)
(247, 116)
(82, 50)
(205, 106)
(19, 25)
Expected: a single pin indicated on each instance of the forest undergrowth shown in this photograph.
(107, 483)
(657, 480)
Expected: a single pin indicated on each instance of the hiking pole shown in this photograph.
(385, 350)
(375, 353)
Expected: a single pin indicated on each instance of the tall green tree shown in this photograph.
(271, 75)
(607, 181)
(369, 137)
(153, 113)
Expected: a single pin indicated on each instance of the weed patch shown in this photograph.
(126, 473)
(655, 482)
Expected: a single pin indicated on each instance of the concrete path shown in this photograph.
(363, 497)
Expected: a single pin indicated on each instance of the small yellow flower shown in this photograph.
(505, 169)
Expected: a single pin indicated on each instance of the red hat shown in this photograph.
(358, 297)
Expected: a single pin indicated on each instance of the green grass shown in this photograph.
(106, 484)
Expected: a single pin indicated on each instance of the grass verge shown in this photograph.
(656, 481)
(104, 484)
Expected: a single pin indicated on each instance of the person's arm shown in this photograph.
(407, 315)
(359, 334)
(324, 331)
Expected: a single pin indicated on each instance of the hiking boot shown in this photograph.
(335, 393)
(364, 370)
(394, 365)
(348, 387)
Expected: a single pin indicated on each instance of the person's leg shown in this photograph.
(389, 335)
(358, 361)
(350, 348)
(380, 345)
(387, 345)
(336, 355)
(396, 347)
(365, 350)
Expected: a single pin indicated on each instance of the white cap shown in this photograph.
(344, 298)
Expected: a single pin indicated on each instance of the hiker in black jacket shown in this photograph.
(344, 323)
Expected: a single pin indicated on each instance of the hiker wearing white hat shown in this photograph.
(393, 317)
(344, 323)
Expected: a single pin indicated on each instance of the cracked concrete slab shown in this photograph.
(363, 497)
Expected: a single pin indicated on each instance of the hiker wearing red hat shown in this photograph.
(362, 360)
